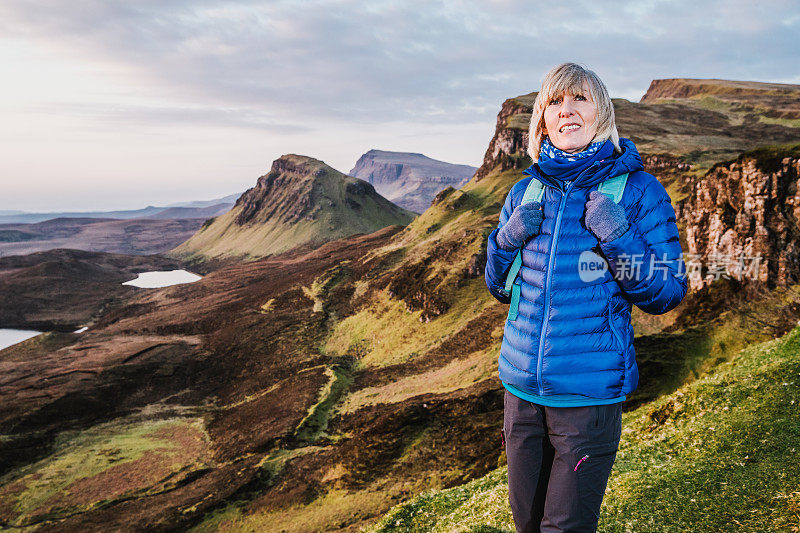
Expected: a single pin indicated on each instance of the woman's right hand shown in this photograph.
(524, 223)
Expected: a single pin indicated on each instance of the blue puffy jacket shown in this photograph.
(573, 335)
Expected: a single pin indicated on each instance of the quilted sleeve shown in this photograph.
(647, 260)
(498, 261)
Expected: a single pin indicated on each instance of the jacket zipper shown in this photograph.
(550, 262)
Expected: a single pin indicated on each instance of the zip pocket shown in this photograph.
(613, 327)
(593, 456)
(592, 471)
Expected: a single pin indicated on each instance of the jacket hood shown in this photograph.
(588, 173)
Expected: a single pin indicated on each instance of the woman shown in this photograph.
(567, 359)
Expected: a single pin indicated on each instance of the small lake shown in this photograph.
(9, 337)
(154, 280)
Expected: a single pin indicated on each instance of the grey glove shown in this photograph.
(605, 218)
(524, 222)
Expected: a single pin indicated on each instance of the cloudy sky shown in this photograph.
(112, 104)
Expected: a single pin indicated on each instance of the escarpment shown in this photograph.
(680, 126)
(741, 220)
(508, 147)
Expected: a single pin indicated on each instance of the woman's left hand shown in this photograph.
(605, 218)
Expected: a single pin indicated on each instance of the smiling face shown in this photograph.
(570, 120)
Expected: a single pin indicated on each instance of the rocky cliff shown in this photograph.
(300, 202)
(673, 136)
(409, 180)
(741, 219)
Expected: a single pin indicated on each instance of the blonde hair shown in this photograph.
(568, 78)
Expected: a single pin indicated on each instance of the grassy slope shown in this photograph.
(715, 455)
(384, 331)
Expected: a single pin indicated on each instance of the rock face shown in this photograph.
(741, 219)
(509, 146)
(409, 180)
(300, 202)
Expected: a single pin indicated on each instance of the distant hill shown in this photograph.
(301, 201)
(230, 199)
(139, 236)
(198, 209)
(192, 212)
(409, 180)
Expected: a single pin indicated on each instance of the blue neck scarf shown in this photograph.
(564, 166)
(548, 151)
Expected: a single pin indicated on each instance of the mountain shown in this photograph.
(230, 199)
(408, 179)
(678, 139)
(33, 218)
(300, 202)
(192, 212)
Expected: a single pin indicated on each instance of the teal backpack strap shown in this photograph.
(614, 187)
(533, 193)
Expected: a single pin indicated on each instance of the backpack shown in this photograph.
(612, 187)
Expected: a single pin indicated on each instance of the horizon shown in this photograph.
(113, 106)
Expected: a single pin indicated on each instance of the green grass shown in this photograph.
(715, 455)
(788, 122)
(386, 333)
(316, 421)
(768, 158)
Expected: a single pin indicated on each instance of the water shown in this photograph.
(146, 280)
(9, 337)
(153, 280)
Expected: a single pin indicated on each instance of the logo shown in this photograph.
(591, 266)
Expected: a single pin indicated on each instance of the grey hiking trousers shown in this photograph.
(559, 460)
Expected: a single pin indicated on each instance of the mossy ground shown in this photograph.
(387, 332)
(715, 455)
(107, 463)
